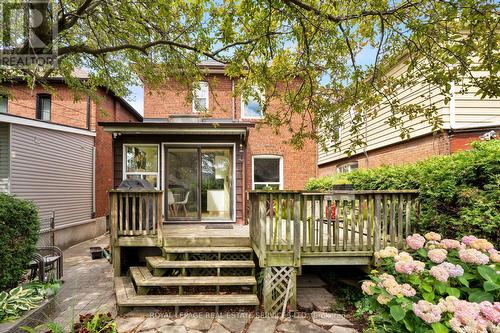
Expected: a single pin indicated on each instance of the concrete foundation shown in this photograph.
(66, 236)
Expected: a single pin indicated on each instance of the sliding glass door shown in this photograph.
(199, 183)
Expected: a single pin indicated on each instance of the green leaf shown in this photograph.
(397, 312)
(429, 297)
(440, 287)
(490, 286)
(463, 281)
(487, 273)
(422, 252)
(439, 328)
(453, 292)
(480, 296)
(427, 287)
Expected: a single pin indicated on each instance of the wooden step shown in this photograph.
(143, 277)
(126, 297)
(160, 262)
(208, 249)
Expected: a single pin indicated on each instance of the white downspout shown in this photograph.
(453, 119)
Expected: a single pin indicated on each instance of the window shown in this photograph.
(141, 162)
(267, 172)
(251, 107)
(347, 167)
(43, 106)
(4, 101)
(200, 98)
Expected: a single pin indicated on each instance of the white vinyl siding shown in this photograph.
(4, 158)
(54, 169)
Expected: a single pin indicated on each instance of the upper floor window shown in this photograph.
(347, 167)
(43, 107)
(4, 104)
(267, 172)
(251, 106)
(141, 162)
(200, 98)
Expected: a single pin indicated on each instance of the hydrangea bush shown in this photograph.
(438, 285)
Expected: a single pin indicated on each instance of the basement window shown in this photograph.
(347, 167)
(267, 172)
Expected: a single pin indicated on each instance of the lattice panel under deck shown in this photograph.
(276, 281)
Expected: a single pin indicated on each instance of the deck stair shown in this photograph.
(191, 276)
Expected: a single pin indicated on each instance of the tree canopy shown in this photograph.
(327, 57)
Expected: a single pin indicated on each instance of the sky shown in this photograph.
(136, 97)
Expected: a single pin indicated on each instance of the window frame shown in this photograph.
(262, 96)
(194, 97)
(6, 98)
(281, 173)
(39, 106)
(126, 173)
(347, 165)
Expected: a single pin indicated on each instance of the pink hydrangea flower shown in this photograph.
(367, 286)
(453, 270)
(494, 255)
(427, 311)
(381, 299)
(481, 245)
(403, 256)
(448, 304)
(490, 311)
(437, 256)
(467, 240)
(432, 236)
(450, 244)
(409, 267)
(407, 290)
(473, 256)
(388, 252)
(439, 273)
(415, 241)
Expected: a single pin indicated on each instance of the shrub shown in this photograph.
(437, 286)
(19, 228)
(458, 194)
(326, 183)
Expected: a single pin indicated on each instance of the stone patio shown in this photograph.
(88, 288)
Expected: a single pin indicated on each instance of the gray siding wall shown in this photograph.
(54, 169)
(4, 158)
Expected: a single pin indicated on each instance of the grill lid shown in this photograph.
(135, 184)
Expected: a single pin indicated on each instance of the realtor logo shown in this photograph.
(28, 32)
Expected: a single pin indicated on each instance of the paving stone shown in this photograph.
(315, 298)
(263, 325)
(340, 329)
(194, 331)
(299, 325)
(151, 323)
(235, 324)
(149, 331)
(128, 324)
(217, 328)
(329, 319)
(172, 329)
(201, 322)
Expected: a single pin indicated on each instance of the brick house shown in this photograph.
(53, 153)
(208, 153)
(465, 118)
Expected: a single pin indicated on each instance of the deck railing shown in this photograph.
(341, 221)
(136, 213)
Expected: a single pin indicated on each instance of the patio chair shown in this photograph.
(47, 261)
(171, 203)
(182, 203)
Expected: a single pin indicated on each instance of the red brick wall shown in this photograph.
(107, 109)
(462, 141)
(65, 109)
(406, 152)
(299, 165)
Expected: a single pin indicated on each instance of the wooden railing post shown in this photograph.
(159, 230)
(262, 225)
(296, 229)
(376, 224)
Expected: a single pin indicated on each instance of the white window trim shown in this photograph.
(243, 106)
(281, 182)
(125, 173)
(348, 166)
(194, 97)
